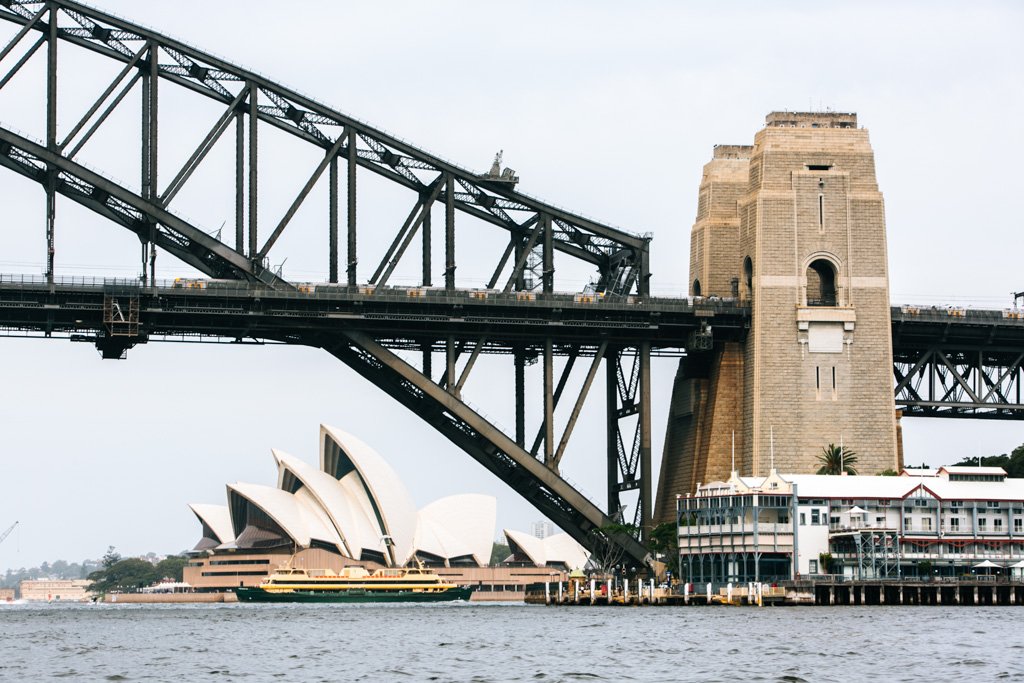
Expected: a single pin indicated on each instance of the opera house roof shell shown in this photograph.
(355, 504)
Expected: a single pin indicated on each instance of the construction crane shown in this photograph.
(7, 533)
(1017, 296)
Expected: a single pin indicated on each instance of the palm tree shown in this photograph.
(836, 460)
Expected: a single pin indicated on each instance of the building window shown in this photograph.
(982, 524)
(993, 504)
(908, 523)
(1018, 525)
(956, 503)
(821, 283)
(954, 524)
(997, 525)
(815, 517)
(920, 502)
(696, 288)
(812, 566)
(926, 524)
(803, 519)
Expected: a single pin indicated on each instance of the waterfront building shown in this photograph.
(354, 510)
(945, 522)
(6, 595)
(52, 590)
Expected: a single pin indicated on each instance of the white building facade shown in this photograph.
(947, 522)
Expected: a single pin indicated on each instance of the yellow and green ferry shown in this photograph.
(354, 584)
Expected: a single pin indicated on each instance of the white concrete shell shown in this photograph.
(342, 454)
(216, 519)
(551, 551)
(297, 516)
(344, 502)
(458, 526)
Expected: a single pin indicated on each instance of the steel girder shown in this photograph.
(145, 218)
(621, 258)
(948, 382)
(956, 362)
(536, 230)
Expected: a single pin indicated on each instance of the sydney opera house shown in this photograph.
(354, 509)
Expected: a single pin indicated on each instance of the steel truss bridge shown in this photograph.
(945, 364)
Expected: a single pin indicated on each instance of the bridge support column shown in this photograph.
(519, 358)
(646, 476)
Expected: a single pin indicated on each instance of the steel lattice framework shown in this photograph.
(952, 362)
(536, 231)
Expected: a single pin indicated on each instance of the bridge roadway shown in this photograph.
(419, 317)
(400, 317)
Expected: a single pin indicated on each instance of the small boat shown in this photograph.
(354, 584)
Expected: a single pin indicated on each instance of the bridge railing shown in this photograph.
(405, 294)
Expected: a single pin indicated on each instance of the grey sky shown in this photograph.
(605, 108)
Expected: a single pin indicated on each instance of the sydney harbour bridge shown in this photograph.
(417, 343)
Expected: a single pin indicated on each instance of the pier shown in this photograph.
(973, 591)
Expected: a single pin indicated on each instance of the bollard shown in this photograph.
(709, 592)
(625, 591)
(652, 592)
(609, 592)
(592, 583)
(547, 592)
(559, 592)
(577, 592)
(686, 593)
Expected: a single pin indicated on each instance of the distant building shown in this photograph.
(6, 594)
(947, 522)
(64, 590)
(543, 528)
(352, 509)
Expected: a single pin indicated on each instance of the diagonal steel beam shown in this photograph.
(29, 25)
(394, 256)
(103, 117)
(200, 152)
(103, 97)
(332, 153)
(580, 400)
(21, 62)
(192, 245)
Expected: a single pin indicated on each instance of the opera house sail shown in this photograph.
(351, 510)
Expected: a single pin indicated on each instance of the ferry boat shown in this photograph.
(354, 584)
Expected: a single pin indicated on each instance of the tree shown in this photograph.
(111, 557)
(665, 542)
(499, 553)
(606, 552)
(836, 460)
(1012, 463)
(124, 575)
(172, 567)
(889, 473)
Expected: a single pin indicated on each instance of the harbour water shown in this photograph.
(507, 642)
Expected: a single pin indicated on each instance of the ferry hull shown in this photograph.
(352, 596)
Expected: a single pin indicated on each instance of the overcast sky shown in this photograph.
(606, 108)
